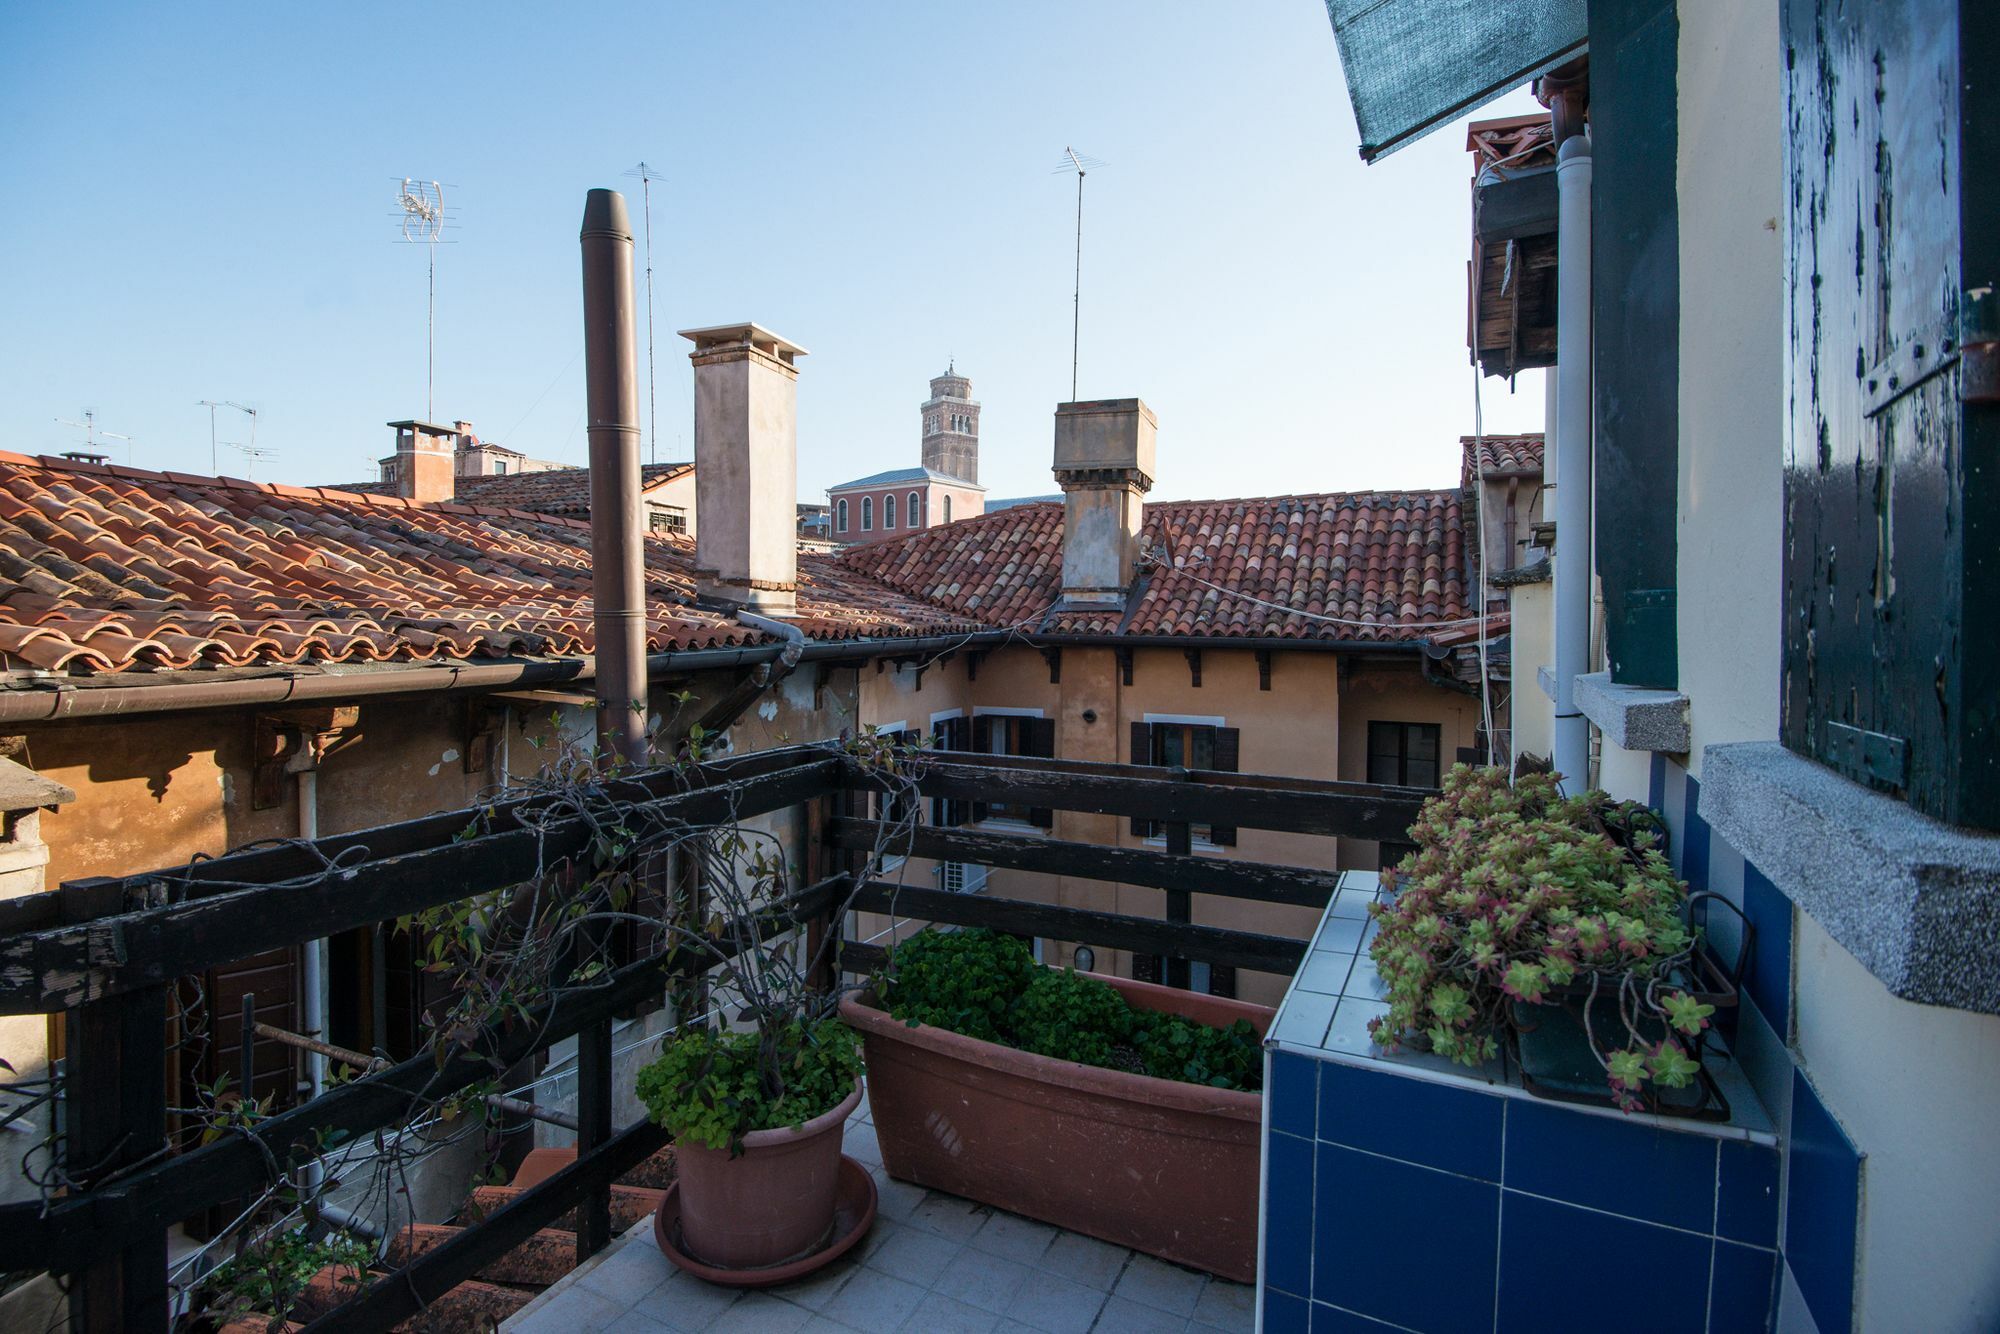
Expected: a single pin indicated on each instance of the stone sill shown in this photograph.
(1633, 717)
(1546, 679)
(1916, 901)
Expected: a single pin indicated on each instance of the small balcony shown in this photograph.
(1346, 1155)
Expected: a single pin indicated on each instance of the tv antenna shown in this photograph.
(214, 467)
(91, 435)
(251, 453)
(1082, 164)
(646, 177)
(423, 214)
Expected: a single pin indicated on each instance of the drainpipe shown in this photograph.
(313, 981)
(618, 575)
(724, 713)
(1573, 440)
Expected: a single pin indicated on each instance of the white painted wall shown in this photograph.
(1732, 346)
(1918, 1090)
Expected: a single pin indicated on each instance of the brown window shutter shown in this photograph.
(948, 734)
(1145, 967)
(1228, 759)
(1142, 753)
(1222, 980)
(1038, 738)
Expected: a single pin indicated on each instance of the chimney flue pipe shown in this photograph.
(618, 570)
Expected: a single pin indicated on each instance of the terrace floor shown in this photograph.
(933, 1263)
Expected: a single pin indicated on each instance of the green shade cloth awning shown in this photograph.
(1413, 65)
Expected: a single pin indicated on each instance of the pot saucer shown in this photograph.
(853, 1215)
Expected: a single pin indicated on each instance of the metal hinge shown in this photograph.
(1874, 758)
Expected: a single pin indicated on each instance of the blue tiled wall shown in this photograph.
(1440, 1208)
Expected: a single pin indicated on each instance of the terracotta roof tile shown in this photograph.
(1391, 563)
(1502, 456)
(104, 572)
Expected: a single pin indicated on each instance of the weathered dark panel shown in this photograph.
(1889, 597)
(1635, 317)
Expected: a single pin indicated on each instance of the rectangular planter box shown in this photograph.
(1154, 1164)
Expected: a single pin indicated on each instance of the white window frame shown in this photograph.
(840, 514)
(867, 514)
(1191, 720)
(1012, 826)
(895, 863)
(947, 507)
(912, 507)
(888, 511)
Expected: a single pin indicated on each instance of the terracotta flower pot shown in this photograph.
(771, 1204)
(1154, 1164)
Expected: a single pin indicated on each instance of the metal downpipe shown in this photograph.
(618, 571)
(1573, 440)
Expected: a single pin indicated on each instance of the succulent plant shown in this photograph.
(1516, 895)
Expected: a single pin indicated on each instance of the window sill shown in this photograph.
(1005, 826)
(1914, 900)
(1633, 717)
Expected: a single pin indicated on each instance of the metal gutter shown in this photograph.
(63, 699)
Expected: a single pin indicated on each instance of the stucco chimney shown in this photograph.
(425, 466)
(746, 466)
(1104, 464)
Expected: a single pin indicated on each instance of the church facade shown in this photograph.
(944, 487)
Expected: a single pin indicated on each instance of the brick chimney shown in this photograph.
(746, 466)
(425, 466)
(1104, 464)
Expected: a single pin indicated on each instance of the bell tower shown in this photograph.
(951, 427)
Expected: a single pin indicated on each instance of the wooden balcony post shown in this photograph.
(593, 1130)
(1180, 902)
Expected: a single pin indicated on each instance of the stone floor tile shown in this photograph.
(986, 1281)
(638, 1321)
(1014, 1237)
(939, 1314)
(628, 1274)
(948, 1216)
(915, 1256)
(897, 1199)
(688, 1303)
(1056, 1305)
(860, 1144)
(816, 1289)
(576, 1311)
(819, 1324)
(1226, 1305)
(1163, 1286)
(761, 1313)
(1085, 1260)
(1121, 1316)
(873, 1300)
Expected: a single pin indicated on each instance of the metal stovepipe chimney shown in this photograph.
(618, 569)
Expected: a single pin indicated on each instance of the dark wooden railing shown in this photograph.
(104, 953)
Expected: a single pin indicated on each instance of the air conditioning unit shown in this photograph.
(961, 878)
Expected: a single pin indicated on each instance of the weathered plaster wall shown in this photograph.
(1732, 346)
(1379, 690)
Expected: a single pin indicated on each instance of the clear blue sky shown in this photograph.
(200, 205)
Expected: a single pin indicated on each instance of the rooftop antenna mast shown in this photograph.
(1082, 164)
(92, 436)
(422, 205)
(646, 177)
(251, 453)
(214, 467)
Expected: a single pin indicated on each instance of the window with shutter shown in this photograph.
(950, 734)
(1404, 754)
(1014, 734)
(1183, 745)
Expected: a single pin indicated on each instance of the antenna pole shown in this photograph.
(430, 342)
(1076, 300)
(652, 390)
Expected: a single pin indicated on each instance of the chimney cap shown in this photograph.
(756, 335)
(428, 428)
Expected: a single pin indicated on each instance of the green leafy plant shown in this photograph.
(713, 1088)
(1517, 895)
(988, 986)
(267, 1278)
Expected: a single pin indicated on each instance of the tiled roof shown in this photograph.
(554, 490)
(106, 569)
(897, 476)
(551, 491)
(1501, 456)
(1391, 563)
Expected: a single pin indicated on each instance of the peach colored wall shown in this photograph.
(1295, 728)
